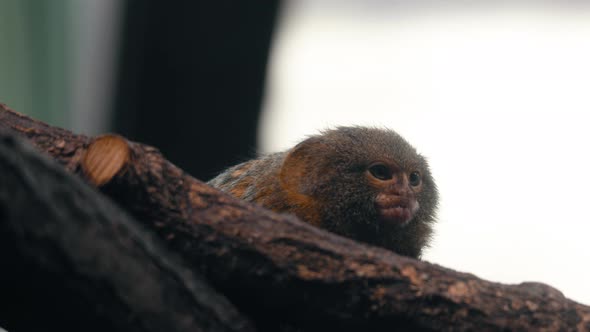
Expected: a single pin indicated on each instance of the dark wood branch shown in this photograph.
(105, 271)
(280, 270)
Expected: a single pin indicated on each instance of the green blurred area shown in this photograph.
(35, 57)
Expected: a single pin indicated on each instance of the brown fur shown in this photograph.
(325, 181)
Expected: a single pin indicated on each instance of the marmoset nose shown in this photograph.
(400, 185)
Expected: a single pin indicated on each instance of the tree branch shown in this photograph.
(280, 270)
(90, 265)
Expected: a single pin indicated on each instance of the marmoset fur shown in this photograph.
(368, 184)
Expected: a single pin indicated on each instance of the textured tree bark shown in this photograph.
(281, 271)
(92, 266)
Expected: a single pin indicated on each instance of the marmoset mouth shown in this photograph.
(396, 209)
(397, 214)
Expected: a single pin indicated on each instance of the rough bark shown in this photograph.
(91, 265)
(280, 270)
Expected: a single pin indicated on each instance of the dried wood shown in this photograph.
(283, 272)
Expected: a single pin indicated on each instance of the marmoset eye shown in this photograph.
(415, 179)
(380, 171)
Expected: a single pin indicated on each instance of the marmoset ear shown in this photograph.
(303, 168)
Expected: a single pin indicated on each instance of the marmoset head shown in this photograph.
(365, 183)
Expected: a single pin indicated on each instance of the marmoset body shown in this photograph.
(368, 184)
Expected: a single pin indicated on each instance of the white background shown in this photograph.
(496, 97)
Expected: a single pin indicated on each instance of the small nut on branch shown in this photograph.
(105, 157)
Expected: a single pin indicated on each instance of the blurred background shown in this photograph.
(495, 95)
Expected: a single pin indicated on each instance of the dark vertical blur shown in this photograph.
(192, 78)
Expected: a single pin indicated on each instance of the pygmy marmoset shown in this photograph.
(368, 184)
